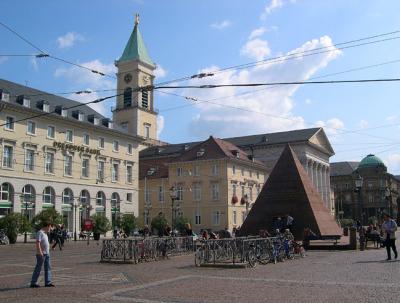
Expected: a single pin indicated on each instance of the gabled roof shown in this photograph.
(289, 190)
(135, 49)
(343, 168)
(214, 148)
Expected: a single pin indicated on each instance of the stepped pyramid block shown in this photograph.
(289, 190)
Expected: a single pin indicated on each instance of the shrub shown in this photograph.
(159, 223)
(346, 222)
(46, 216)
(14, 224)
(101, 224)
(180, 222)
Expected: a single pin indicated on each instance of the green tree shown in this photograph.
(159, 223)
(101, 224)
(49, 215)
(180, 222)
(14, 224)
(128, 223)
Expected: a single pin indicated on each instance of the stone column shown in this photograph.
(328, 188)
(323, 184)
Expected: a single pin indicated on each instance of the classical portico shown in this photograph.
(318, 171)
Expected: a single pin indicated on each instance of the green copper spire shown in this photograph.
(135, 48)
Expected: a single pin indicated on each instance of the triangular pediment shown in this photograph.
(289, 190)
(320, 140)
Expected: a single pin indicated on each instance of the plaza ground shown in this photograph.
(323, 276)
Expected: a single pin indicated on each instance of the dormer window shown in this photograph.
(110, 124)
(81, 116)
(27, 102)
(46, 107)
(64, 112)
(4, 96)
(96, 121)
(200, 152)
(236, 153)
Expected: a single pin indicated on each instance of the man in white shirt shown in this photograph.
(389, 228)
(42, 257)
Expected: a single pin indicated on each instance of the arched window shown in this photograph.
(84, 198)
(49, 196)
(28, 201)
(68, 196)
(115, 201)
(6, 198)
(127, 97)
(100, 202)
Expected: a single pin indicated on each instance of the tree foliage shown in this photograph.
(49, 215)
(159, 223)
(101, 224)
(128, 223)
(14, 224)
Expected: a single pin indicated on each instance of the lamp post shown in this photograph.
(359, 184)
(26, 214)
(173, 195)
(75, 206)
(388, 195)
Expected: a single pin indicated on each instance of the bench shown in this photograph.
(373, 238)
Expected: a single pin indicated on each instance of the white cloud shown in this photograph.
(393, 163)
(264, 110)
(80, 78)
(332, 126)
(363, 124)
(160, 72)
(308, 102)
(257, 32)
(69, 39)
(256, 49)
(221, 25)
(392, 118)
(160, 125)
(273, 5)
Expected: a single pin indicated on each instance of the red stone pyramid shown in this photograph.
(289, 190)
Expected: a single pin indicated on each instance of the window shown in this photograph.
(115, 145)
(86, 139)
(67, 165)
(69, 136)
(147, 130)
(8, 156)
(84, 198)
(49, 195)
(242, 190)
(49, 163)
(216, 217)
(251, 193)
(129, 149)
(68, 196)
(370, 198)
(233, 169)
(100, 170)
(31, 128)
(233, 189)
(129, 173)
(115, 172)
(145, 99)
(215, 191)
(197, 217)
(179, 191)
(9, 123)
(196, 191)
(29, 194)
(85, 167)
(29, 160)
(214, 170)
(100, 199)
(124, 125)
(129, 197)
(196, 171)
(115, 202)
(127, 97)
(81, 116)
(101, 142)
(6, 192)
(161, 194)
(234, 219)
(51, 132)
(179, 171)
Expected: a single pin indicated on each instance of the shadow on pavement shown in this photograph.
(377, 261)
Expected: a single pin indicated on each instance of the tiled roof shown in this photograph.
(154, 168)
(214, 148)
(342, 168)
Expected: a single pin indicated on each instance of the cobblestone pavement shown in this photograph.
(320, 277)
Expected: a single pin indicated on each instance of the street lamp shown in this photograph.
(22, 196)
(359, 184)
(173, 194)
(388, 195)
(75, 206)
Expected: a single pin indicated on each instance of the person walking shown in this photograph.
(42, 257)
(389, 228)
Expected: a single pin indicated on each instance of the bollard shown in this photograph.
(353, 238)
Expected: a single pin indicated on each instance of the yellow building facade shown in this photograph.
(213, 184)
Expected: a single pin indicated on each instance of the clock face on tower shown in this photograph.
(128, 78)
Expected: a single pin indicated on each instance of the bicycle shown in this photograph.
(3, 238)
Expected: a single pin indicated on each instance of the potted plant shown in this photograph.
(101, 225)
(14, 224)
(128, 223)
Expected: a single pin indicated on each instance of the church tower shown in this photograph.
(135, 111)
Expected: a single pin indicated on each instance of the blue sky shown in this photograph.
(186, 37)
